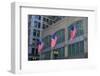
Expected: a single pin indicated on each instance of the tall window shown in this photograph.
(36, 33)
(47, 41)
(39, 17)
(47, 55)
(33, 51)
(43, 26)
(60, 35)
(37, 24)
(76, 49)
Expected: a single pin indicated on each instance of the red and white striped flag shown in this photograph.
(73, 32)
(40, 45)
(53, 40)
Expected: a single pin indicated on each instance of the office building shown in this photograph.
(61, 25)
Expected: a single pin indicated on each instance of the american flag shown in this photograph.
(40, 45)
(53, 40)
(73, 32)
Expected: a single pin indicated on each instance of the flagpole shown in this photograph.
(40, 55)
(51, 53)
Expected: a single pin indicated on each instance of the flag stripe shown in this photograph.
(73, 33)
(40, 45)
(53, 40)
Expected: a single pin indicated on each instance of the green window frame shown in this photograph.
(47, 55)
(46, 41)
(76, 49)
(61, 35)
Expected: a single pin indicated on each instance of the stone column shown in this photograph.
(66, 42)
(85, 28)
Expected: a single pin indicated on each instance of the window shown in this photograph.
(47, 40)
(47, 55)
(44, 19)
(39, 24)
(33, 44)
(39, 17)
(34, 32)
(43, 26)
(33, 51)
(34, 39)
(38, 33)
(47, 20)
(61, 36)
(50, 22)
(35, 23)
(81, 47)
(76, 49)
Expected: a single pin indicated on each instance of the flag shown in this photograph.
(53, 40)
(40, 45)
(73, 33)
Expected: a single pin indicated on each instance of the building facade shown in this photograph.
(65, 48)
(36, 24)
(44, 26)
(34, 33)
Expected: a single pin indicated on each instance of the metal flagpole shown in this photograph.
(51, 53)
(40, 56)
